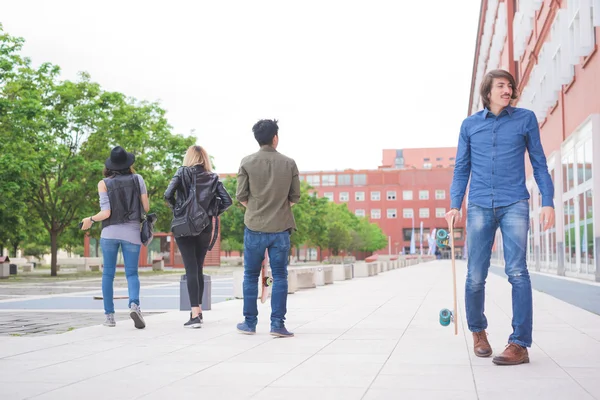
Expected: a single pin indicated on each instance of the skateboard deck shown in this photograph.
(444, 239)
(266, 282)
(114, 298)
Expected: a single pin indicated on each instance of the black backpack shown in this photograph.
(191, 218)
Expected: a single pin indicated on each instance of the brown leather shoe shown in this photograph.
(481, 346)
(512, 355)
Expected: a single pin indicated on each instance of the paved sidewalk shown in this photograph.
(367, 338)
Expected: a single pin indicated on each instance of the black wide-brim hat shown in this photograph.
(119, 159)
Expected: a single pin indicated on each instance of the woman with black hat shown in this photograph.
(123, 194)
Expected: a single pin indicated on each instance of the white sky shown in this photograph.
(346, 79)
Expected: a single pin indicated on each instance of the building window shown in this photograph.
(313, 180)
(423, 212)
(408, 232)
(440, 194)
(407, 195)
(359, 196)
(439, 159)
(391, 213)
(426, 159)
(391, 195)
(328, 196)
(376, 214)
(440, 212)
(426, 165)
(407, 213)
(423, 194)
(360, 179)
(328, 180)
(375, 196)
(344, 179)
(359, 213)
(344, 196)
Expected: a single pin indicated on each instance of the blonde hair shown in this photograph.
(196, 155)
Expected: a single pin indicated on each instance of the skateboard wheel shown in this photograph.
(268, 281)
(445, 317)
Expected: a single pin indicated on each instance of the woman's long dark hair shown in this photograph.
(112, 172)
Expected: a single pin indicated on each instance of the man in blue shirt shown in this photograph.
(491, 152)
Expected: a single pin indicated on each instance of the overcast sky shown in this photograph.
(346, 79)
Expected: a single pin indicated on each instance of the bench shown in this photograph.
(83, 264)
(302, 278)
(158, 263)
(363, 269)
(22, 262)
(341, 272)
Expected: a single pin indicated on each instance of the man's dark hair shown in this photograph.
(264, 131)
(486, 85)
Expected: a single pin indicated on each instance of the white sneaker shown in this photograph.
(110, 320)
(136, 315)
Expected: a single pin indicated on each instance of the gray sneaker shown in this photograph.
(110, 320)
(136, 315)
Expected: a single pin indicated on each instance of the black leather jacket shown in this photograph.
(211, 192)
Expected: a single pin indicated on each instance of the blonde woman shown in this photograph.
(209, 195)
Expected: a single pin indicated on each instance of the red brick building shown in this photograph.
(551, 47)
(424, 158)
(394, 195)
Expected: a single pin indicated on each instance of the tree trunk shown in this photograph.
(97, 248)
(53, 252)
(15, 248)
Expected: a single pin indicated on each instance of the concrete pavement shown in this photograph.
(366, 338)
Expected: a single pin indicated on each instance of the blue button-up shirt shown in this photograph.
(491, 151)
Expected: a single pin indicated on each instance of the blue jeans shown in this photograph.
(131, 255)
(482, 223)
(278, 246)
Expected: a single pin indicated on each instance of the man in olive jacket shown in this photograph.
(268, 186)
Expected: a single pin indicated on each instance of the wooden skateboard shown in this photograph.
(266, 282)
(114, 298)
(445, 240)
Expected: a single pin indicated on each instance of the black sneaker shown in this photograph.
(193, 322)
(199, 316)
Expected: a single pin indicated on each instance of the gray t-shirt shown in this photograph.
(129, 231)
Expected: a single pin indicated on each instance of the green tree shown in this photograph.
(55, 137)
(232, 220)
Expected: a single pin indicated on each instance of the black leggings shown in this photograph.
(193, 250)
